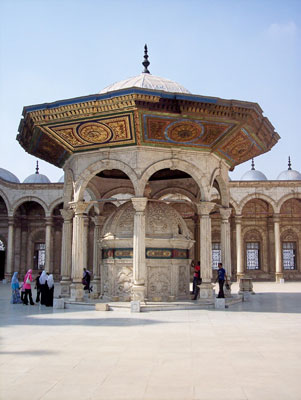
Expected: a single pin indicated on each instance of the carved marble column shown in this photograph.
(278, 264)
(139, 266)
(226, 246)
(97, 276)
(78, 252)
(10, 249)
(206, 289)
(66, 255)
(239, 259)
(48, 246)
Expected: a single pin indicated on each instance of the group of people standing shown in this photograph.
(44, 287)
(197, 280)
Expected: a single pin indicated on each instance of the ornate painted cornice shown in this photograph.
(234, 130)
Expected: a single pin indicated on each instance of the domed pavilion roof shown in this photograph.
(147, 81)
(253, 175)
(37, 177)
(289, 174)
(8, 176)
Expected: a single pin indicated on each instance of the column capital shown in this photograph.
(79, 207)
(98, 220)
(48, 221)
(139, 203)
(238, 219)
(66, 214)
(276, 217)
(11, 221)
(204, 207)
(225, 213)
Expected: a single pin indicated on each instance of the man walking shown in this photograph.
(221, 280)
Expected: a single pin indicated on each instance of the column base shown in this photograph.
(76, 292)
(138, 292)
(278, 277)
(206, 291)
(65, 287)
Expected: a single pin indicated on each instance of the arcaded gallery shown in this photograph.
(145, 190)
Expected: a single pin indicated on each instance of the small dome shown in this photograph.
(147, 81)
(37, 178)
(290, 174)
(8, 176)
(253, 175)
(62, 179)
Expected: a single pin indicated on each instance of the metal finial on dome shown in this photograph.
(37, 167)
(145, 62)
(289, 164)
(253, 165)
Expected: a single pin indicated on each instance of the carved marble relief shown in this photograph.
(159, 282)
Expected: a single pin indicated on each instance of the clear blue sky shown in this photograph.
(233, 49)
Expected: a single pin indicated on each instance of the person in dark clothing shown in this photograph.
(86, 280)
(221, 277)
(196, 280)
(49, 291)
(42, 281)
(38, 287)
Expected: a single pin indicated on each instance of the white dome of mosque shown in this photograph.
(8, 176)
(289, 174)
(37, 177)
(253, 175)
(62, 179)
(147, 81)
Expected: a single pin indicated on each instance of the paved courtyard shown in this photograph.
(250, 351)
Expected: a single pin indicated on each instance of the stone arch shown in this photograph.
(6, 201)
(95, 168)
(286, 198)
(181, 165)
(55, 203)
(222, 185)
(33, 199)
(289, 230)
(234, 205)
(175, 190)
(253, 196)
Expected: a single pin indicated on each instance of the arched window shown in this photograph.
(289, 255)
(253, 256)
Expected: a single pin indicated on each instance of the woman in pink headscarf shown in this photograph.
(27, 286)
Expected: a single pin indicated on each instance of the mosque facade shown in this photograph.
(145, 191)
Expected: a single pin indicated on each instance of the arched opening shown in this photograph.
(29, 237)
(257, 228)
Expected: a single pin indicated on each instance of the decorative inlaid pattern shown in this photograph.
(195, 133)
(87, 134)
(94, 132)
(149, 253)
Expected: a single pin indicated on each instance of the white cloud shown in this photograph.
(288, 29)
